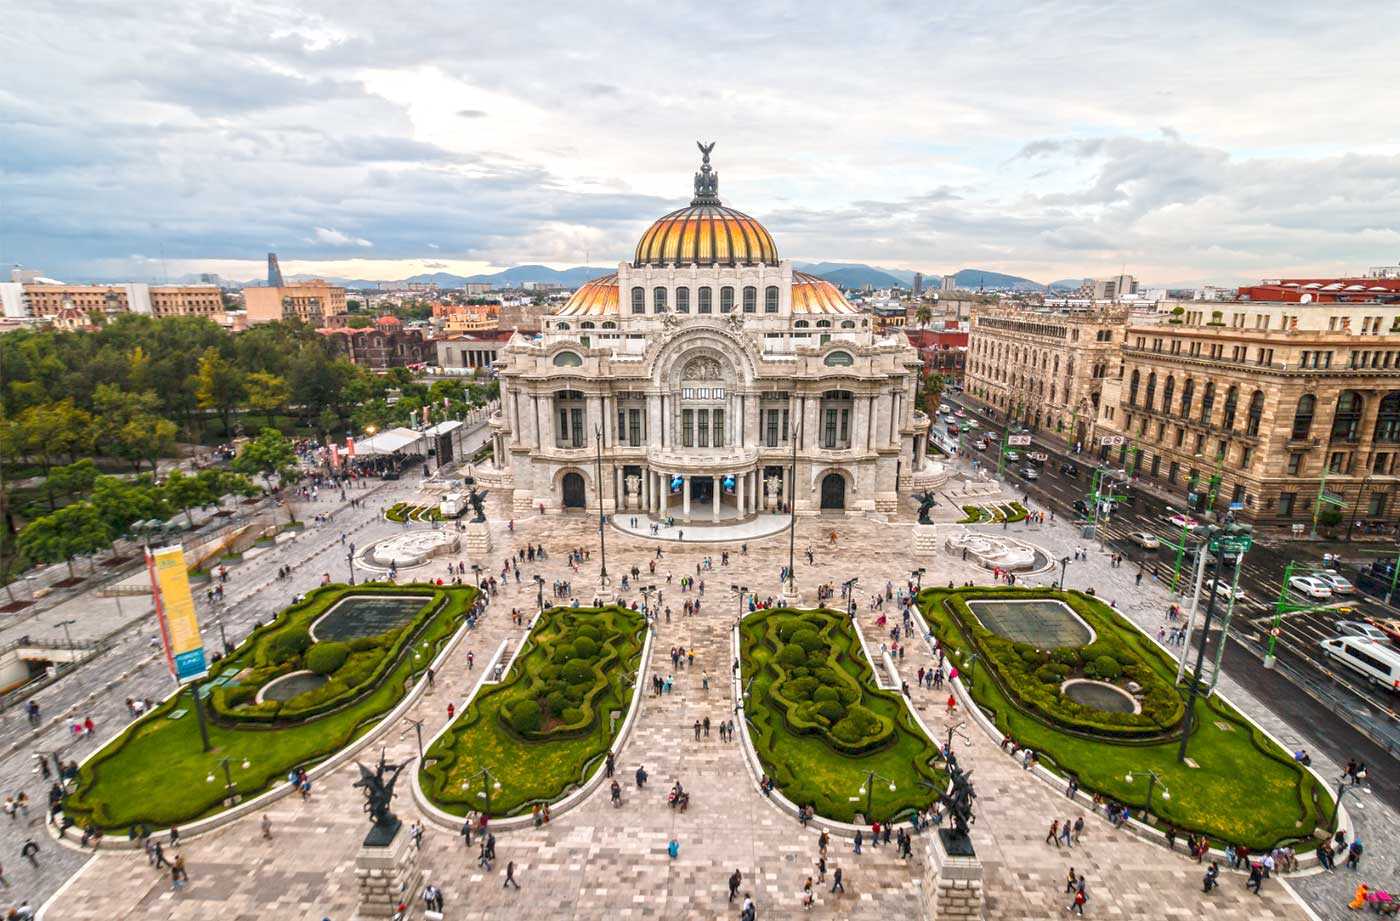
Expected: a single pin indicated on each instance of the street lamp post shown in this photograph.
(1342, 789)
(1152, 782)
(539, 585)
(918, 575)
(488, 783)
(1064, 566)
(602, 519)
(476, 571)
(740, 593)
(228, 774)
(1356, 509)
(418, 729)
(350, 562)
(792, 519)
(867, 789)
(1237, 537)
(849, 589)
(72, 649)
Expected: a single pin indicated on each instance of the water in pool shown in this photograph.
(1100, 697)
(366, 615)
(293, 685)
(1043, 621)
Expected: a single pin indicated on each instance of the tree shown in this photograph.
(923, 315)
(359, 322)
(267, 393)
(186, 492)
(268, 455)
(46, 432)
(70, 531)
(219, 385)
(120, 503)
(147, 437)
(74, 479)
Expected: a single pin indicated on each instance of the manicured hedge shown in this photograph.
(818, 720)
(544, 728)
(1019, 665)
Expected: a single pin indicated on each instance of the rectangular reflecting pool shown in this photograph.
(366, 615)
(1044, 622)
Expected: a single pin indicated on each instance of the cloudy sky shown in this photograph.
(1185, 142)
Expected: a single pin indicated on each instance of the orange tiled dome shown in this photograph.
(814, 294)
(597, 297)
(706, 234)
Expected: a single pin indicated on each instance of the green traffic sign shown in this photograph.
(1233, 544)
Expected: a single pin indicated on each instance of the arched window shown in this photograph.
(839, 360)
(567, 360)
(1303, 417)
(609, 324)
(1232, 399)
(1151, 396)
(703, 305)
(658, 300)
(586, 324)
(1207, 402)
(1256, 413)
(682, 300)
(750, 299)
(770, 299)
(1346, 421)
(1388, 418)
(726, 299)
(639, 299)
(561, 326)
(1133, 389)
(1187, 392)
(1167, 390)
(801, 324)
(823, 324)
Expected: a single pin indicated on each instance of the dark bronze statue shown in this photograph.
(379, 792)
(926, 502)
(477, 498)
(959, 803)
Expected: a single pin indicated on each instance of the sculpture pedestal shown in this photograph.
(790, 596)
(604, 594)
(477, 538)
(386, 873)
(952, 883)
(925, 539)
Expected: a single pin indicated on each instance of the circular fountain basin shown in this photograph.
(292, 684)
(1100, 695)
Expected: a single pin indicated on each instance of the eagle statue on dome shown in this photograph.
(707, 180)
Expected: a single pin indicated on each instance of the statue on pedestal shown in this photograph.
(925, 503)
(477, 498)
(959, 802)
(379, 792)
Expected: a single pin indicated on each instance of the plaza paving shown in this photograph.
(598, 862)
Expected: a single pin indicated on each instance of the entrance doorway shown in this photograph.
(833, 491)
(573, 491)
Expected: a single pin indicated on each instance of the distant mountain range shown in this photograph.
(850, 275)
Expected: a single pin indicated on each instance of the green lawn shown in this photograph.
(156, 772)
(1246, 790)
(819, 723)
(544, 729)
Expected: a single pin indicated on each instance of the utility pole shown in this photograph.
(602, 519)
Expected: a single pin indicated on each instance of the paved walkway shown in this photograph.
(598, 862)
(696, 532)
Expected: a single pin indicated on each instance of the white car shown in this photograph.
(961, 413)
(1184, 521)
(944, 408)
(1311, 586)
(1224, 589)
(1145, 540)
(1337, 582)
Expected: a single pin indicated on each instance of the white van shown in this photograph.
(1376, 659)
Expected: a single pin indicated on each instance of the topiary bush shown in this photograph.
(525, 716)
(576, 671)
(287, 645)
(1104, 668)
(585, 648)
(326, 658)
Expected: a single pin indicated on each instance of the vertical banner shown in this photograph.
(425, 415)
(335, 457)
(184, 649)
(350, 447)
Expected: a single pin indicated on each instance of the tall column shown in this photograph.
(787, 485)
(646, 489)
(685, 497)
(664, 494)
(716, 488)
(742, 495)
(620, 486)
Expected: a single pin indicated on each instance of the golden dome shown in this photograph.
(595, 298)
(814, 294)
(706, 234)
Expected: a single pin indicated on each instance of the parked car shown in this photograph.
(1013, 456)
(1083, 508)
(1030, 473)
(971, 423)
(1184, 521)
(1069, 470)
(944, 408)
(1357, 628)
(1225, 589)
(1337, 582)
(1310, 586)
(1145, 540)
(981, 445)
(960, 412)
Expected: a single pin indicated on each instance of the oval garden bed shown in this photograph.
(548, 724)
(1242, 789)
(820, 724)
(156, 772)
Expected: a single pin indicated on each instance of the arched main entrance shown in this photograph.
(573, 491)
(833, 491)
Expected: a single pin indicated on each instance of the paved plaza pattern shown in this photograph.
(601, 862)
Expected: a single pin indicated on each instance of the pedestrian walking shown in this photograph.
(836, 885)
(1256, 878)
(1078, 904)
(510, 875)
(266, 827)
(735, 879)
(1354, 854)
(28, 852)
(1053, 836)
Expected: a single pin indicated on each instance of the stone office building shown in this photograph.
(697, 369)
(1267, 405)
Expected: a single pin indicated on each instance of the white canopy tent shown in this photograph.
(393, 441)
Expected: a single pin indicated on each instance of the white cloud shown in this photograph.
(332, 237)
(1058, 139)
